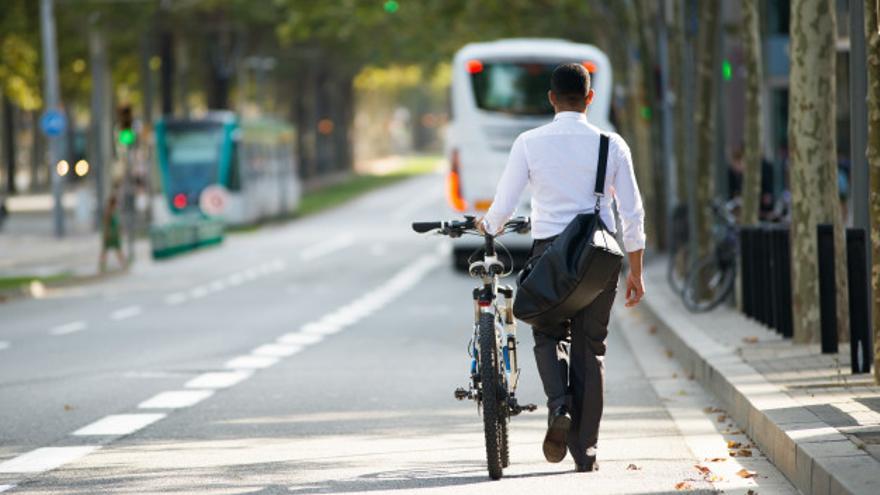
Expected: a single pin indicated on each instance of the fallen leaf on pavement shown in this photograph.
(744, 453)
(669, 353)
(722, 418)
(68, 407)
(653, 329)
(675, 375)
(682, 392)
(751, 492)
(702, 469)
(682, 485)
(750, 340)
(745, 473)
(717, 459)
(633, 467)
(712, 410)
(733, 444)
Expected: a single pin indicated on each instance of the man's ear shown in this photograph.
(552, 98)
(589, 98)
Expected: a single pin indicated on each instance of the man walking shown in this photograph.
(559, 161)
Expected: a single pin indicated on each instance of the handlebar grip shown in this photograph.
(422, 227)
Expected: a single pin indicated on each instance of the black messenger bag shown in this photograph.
(574, 269)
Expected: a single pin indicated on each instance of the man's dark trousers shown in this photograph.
(573, 370)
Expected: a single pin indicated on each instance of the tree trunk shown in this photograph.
(872, 35)
(676, 81)
(813, 158)
(9, 143)
(751, 37)
(705, 124)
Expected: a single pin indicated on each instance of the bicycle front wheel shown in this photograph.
(676, 268)
(708, 285)
(492, 395)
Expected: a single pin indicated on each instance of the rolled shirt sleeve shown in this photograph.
(629, 200)
(510, 187)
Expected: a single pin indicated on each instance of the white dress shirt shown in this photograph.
(559, 160)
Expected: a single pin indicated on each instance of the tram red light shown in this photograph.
(474, 66)
(179, 201)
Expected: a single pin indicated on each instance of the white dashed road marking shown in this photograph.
(119, 424)
(326, 247)
(299, 338)
(176, 298)
(175, 399)
(251, 362)
(218, 379)
(68, 328)
(125, 313)
(44, 459)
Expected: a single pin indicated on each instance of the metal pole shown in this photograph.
(858, 125)
(691, 28)
(53, 102)
(668, 161)
(101, 156)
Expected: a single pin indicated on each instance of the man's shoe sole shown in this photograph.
(554, 440)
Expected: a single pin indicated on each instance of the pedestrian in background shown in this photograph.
(111, 238)
(3, 211)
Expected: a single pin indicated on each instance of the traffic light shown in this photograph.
(126, 134)
(391, 6)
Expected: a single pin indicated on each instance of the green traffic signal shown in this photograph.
(391, 6)
(726, 70)
(126, 137)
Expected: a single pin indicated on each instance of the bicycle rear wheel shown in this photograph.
(492, 396)
(676, 269)
(708, 284)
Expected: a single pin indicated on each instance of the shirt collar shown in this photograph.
(570, 116)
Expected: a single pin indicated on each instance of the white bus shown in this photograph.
(499, 90)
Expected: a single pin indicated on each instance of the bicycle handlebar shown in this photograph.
(455, 228)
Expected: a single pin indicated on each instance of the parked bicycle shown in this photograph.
(711, 279)
(494, 370)
(679, 249)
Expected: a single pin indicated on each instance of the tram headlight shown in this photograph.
(81, 168)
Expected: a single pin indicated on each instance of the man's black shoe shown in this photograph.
(589, 467)
(557, 430)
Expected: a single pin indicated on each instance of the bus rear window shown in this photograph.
(516, 88)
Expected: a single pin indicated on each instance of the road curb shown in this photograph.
(814, 456)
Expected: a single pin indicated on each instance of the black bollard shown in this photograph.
(775, 285)
(827, 289)
(784, 306)
(861, 351)
(745, 269)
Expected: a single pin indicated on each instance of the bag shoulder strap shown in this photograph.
(601, 169)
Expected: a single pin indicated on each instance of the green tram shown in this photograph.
(217, 166)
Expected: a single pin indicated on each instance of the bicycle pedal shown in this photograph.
(461, 394)
(530, 407)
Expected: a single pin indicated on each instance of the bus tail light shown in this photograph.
(453, 182)
(474, 66)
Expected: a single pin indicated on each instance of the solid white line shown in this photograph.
(300, 338)
(4, 345)
(176, 298)
(218, 379)
(326, 247)
(217, 285)
(119, 424)
(175, 399)
(67, 328)
(4, 488)
(250, 362)
(276, 350)
(46, 458)
(127, 312)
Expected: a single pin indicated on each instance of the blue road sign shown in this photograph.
(53, 123)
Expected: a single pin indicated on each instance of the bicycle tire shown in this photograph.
(491, 395)
(505, 445)
(721, 285)
(677, 259)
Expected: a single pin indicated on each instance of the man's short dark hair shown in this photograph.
(570, 83)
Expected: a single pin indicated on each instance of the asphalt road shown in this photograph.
(320, 357)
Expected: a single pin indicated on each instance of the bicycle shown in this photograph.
(679, 249)
(711, 279)
(494, 371)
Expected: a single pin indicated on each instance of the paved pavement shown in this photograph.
(819, 422)
(320, 357)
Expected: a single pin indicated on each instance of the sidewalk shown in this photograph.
(818, 423)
